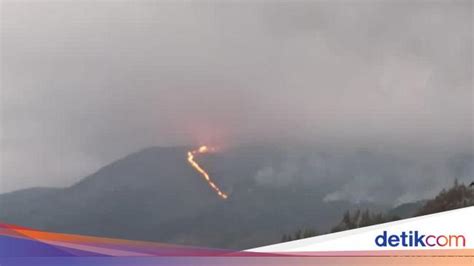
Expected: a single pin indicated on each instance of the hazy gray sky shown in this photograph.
(84, 83)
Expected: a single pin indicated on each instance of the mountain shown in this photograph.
(155, 195)
(458, 196)
(406, 210)
(143, 187)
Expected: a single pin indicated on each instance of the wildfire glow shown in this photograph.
(205, 175)
(203, 149)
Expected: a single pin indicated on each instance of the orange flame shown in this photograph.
(205, 175)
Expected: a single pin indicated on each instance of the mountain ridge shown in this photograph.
(154, 195)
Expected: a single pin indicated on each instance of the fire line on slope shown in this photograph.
(204, 174)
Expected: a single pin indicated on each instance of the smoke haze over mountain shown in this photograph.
(85, 83)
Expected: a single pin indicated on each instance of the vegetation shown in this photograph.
(299, 234)
(360, 218)
(458, 196)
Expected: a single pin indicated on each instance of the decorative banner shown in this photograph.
(450, 230)
(438, 239)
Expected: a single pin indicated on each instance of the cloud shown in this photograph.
(86, 83)
(365, 175)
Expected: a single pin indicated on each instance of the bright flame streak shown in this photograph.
(195, 165)
(203, 149)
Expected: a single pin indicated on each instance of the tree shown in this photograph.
(299, 234)
(360, 219)
(458, 196)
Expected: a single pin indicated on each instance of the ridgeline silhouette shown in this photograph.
(458, 196)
